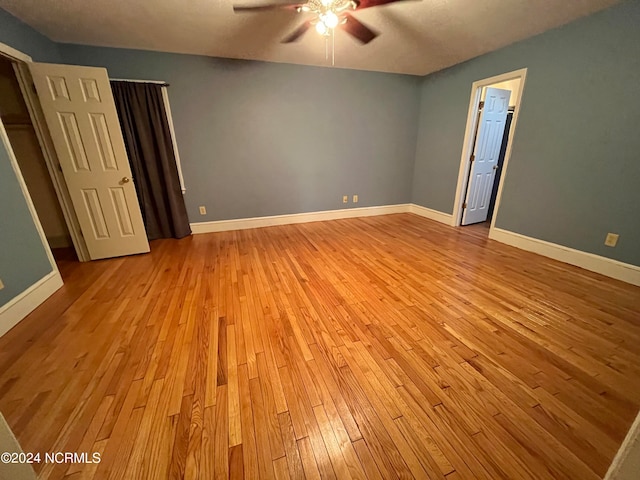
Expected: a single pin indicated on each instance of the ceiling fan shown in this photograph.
(329, 15)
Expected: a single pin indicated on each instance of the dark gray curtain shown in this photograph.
(148, 141)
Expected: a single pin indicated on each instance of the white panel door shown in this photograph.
(485, 155)
(81, 115)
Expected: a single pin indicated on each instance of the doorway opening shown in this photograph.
(493, 112)
(67, 149)
(22, 133)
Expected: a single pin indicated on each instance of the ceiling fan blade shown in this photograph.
(267, 7)
(375, 3)
(358, 29)
(301, 30)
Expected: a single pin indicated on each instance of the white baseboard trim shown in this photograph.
(431, 214)
(26, 302)
(626, 463)
(258, 222)
(595, 263)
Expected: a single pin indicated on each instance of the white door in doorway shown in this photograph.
(81, 115)
(485, 155)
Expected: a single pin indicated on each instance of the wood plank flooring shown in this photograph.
(383, 347)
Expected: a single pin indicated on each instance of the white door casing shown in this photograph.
(81, 115)
(485, 155)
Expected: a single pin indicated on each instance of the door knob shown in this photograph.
(125, 179)
(495, 167)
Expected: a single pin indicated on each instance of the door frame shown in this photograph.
(21, 70)
(469, 137)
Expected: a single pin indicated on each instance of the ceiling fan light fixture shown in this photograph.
(328, 15)
(321, 28)
(330, 19)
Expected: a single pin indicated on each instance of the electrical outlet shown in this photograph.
(203, 210)
(1, 284)
(355, 199)
(611, 240)
(345, 199)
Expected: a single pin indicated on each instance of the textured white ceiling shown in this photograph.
(417, 37)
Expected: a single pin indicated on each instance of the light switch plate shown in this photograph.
(355, 199)
(345, 199)
(611, 240)
(203, 210)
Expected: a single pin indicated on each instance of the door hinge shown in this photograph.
(473, 157)
(464, 205)
(481, 105)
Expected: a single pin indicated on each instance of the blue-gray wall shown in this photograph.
(260, 139)
(22, 37)
(574, 172)
(23, 259)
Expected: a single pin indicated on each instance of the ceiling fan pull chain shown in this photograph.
(333, 47)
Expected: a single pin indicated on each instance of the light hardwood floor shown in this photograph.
(385, 347)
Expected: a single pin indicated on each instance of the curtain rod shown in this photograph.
(159, 82)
